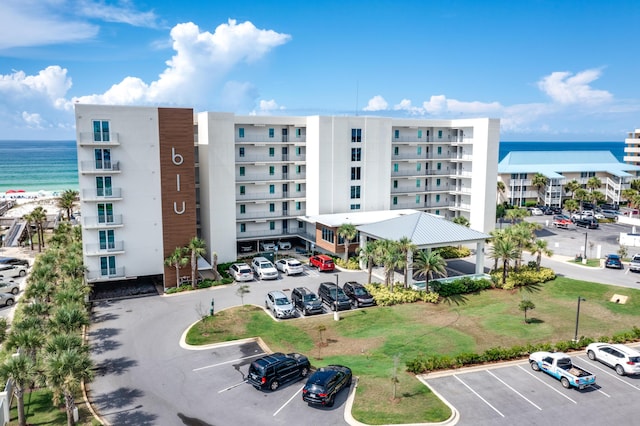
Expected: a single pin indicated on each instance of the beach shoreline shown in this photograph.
(25, 202)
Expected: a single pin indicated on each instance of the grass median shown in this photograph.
(373, 341)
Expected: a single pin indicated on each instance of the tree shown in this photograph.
(29, 219)
(571, 205)
(196, 247)
(21, 370)
(347, 232)
(594, 183)
(539, 248)
(526, 305)
(428, 263)
(39, 216)
(500, 191)
(581, 195)
(177, 259)
(367, 255)
(389, 256)
(461, 220)
(522, 234)
(539, 181)
(629, 193)
(241, 291)
(69, 318)
(66, 200)
(596, 197)
(506, 250)
(572, 186)
(407, 248)
(513, 215)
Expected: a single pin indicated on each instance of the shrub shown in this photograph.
(384, 296)
(460, 286)
(450, 252)
(351, 264)
(523, 277)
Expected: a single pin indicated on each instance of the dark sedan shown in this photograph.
(323, 385)
(613, 261)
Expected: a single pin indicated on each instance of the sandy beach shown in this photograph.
(25, 202)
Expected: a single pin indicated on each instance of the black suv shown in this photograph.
(358, 294)
(306, 301)
(587, 223)
(272, 370)
(14, 261)
(323, 385)
(333, 296)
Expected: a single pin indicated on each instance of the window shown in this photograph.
(439, 166)
(417, 183)
(437, 198)
(439, 134)
(418, 167)
(419, 134)
(243, 227)
(108, 266)
(395, 201)
(272, 225)
(105, 213)
(355, 192)
(107, 239)
(396, 150)
(300, 224)
(355, 173)
(328, 235)
(438, 212)
(395, 184)
(241, 170)
(272, 170)
(272, 207)
(395, 167)
(438, 182)
(241, 132)
(298, 205)
(103, 186)
(298, 187)
(272, 189)
(272, 151)
(241, 151)
(298, 150)
(272, 132)
(298, 133)
(396, 134)
(356, 135)
(242, 190)
(103, 158)
(356, 154)
(243, 209)
(419, 150)
(101, 131)
(298, 169)
(417, 199)
(355, 206)
(439, 150)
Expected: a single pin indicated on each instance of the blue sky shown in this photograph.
(549, 69)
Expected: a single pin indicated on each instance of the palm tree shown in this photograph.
(388, 255)
(514, 214)
(178, 259)
(39, 216)
(69, 318)
(572, 186)
(197, 248)
(64, 373)
(522, 235)
(367, 255)
(628, 194)
(27, 341)
(596, 196)
(501, 188)
(594, 182)
(347, 232)
(571, 205)
(506, 250)
(62, 342)
(581, 195)
(21, 371)
(407, 248)
(539, 181)
(428, 263)
(461, 220)
(29, 219)
(66, 201)
(540, 247)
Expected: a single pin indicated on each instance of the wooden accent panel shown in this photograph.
(177, 183)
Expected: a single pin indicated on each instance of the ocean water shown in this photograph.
(38, 165)
(53, 165)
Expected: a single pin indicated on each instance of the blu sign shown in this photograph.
(178, 160)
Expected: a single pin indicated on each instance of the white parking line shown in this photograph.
(289, 400)
(233, 386)
(598, 389)
(226, 362)
(521, 395)
(478, 395)
(546, 384)
(615, 376)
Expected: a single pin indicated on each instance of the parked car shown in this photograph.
(609, 206)
(268, 246)
(587, 223)
(322, 262)
(284, 245)
(264, 269)
(273, 370)
(306, 301)
(241, 272)
(9, 287)
(279, 304)
(613, 261)
(535, 211)
(623, 359)
(14, 261)
(7, 299)
(634, 265)
(560, 366)
(323, 385)
(358, 294)
(334, 296)
(12, 271)
(562, 221)
(610, 214)
(290, 266)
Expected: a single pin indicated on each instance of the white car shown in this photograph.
(623, 359)
(290, 266)
(264, 269)
(9, 287)
(536, 212)
(268, 246)
(12, 271)
(278, 303)
(284, 245)
(241, 272)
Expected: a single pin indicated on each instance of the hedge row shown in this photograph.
(461, 286)
(450, 252)
(526, 275)
(426, 363)
(385, 297)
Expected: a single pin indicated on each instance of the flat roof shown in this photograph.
(335, 220)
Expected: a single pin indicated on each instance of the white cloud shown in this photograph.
(377, 103)
(32, 120)
(268, 106)
(566, 88)
(123, 12)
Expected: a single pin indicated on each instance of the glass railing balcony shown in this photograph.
(105, 221)
(114, 273)
(92, 139)
(104, 248)
(269, 196)
(99, 166)
(266, 158)
(255, 177)
(100, 194)
(266, 139)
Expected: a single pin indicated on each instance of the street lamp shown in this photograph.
(585, 244)
(336, 313)
(580, 299)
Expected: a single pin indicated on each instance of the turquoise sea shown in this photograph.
(53, 166)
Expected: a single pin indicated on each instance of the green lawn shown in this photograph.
(40, 410)
(368, 340)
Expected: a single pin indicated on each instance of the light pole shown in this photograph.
(585, 244)
(580, 299)
(336, 313)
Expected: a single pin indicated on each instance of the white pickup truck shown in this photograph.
(559, 365)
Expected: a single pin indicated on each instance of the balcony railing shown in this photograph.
(105, 221)
(251, 177)
(266, 158)
(266, 139)
(105, 193)
(101, 275)
(88, 139)
(270, 215)
(269, 196)
(99, 167)
(105, 248)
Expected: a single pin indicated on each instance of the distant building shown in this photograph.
(518, 168)
(153, 178)
(632, 149)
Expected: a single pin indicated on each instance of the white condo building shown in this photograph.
(238, 181)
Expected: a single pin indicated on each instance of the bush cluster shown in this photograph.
(384, 296)
(462, 286)
(426, 363)
(351, 264)
(450, 252)
(525, 276)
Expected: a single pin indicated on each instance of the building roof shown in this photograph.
(553, 163)
(335, 220)
(423, 229)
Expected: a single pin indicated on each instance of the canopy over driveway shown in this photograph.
(426, 231)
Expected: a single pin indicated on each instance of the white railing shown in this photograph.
(102, 221)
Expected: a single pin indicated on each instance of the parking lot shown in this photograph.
(515, 394)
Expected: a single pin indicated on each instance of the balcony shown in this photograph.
(114, 274)
(259, 177)
(270, 196)
(282, 214)
(106, 221)
(103, 194)
(269, 159)
(265, 139)
(420, 189)
(271, 233)
(93, 167)
(88, 139)
(111, 248)
(460, 157)
(412, 139)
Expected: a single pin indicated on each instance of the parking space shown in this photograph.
(515, 394)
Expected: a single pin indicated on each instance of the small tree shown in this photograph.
(241, 291)
(623, 252)
(347, 232)
(526, 305)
